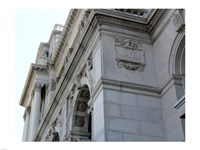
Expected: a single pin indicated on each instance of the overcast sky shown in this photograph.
(32, 26)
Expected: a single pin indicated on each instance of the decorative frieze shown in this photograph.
(131, 66)
(127, 24)
(129, 54)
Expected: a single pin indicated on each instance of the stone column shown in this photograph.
(35, 112)
(26, 124)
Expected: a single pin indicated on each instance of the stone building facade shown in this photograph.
(109, 75)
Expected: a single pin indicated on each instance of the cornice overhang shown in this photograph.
(120, 15)
(65, 33)
(29, 79)
(129, 21)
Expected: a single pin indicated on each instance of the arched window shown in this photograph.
(82, 119)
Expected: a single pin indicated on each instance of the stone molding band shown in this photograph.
(158, 90)
(131, 86)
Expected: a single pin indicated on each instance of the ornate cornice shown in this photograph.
(30, 77)
(98, 16)
(65, 34)
(124, 23)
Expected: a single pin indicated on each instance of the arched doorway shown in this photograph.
(82, 118)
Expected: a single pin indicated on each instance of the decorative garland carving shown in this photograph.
(131, 66)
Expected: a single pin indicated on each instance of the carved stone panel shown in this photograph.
(129, 54)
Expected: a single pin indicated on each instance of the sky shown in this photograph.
(25, 23)
(32, 26)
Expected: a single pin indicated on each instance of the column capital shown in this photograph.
(37, 87)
